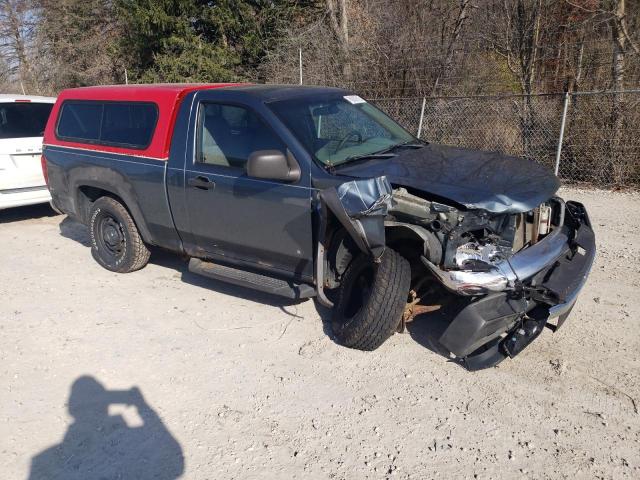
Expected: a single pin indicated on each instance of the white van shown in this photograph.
(22, 122)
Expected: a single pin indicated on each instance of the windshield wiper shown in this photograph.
(408, 145)
(385, 153)
(366, 156)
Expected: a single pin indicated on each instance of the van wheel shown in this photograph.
(115, 241)
(371, 300)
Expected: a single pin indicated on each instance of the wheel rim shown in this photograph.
(358, 291)
(111, 239)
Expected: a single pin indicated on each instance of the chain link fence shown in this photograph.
(600, 145)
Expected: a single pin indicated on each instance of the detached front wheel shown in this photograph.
(116, 243)
(371, 300)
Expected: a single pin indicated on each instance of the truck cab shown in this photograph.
(313, 192)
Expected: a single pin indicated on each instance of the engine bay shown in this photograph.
(472, 240)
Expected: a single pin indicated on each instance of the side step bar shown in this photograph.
(252, 280)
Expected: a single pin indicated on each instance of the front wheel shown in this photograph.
(371, 300)
(116, 243)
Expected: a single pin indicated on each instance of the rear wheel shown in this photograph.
(116, 243)
(371, 300)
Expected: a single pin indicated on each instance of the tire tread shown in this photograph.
(140, 254)
(379, 317)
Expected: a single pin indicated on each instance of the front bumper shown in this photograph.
(509, 273)
(542, 283)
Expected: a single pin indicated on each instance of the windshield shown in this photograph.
(22, 119)
(336, 129)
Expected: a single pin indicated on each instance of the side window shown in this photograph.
(126, 124)
(80, 120)
(130, 124)
(228, 134)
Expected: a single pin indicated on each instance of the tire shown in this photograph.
(371, 301)
(116, 243)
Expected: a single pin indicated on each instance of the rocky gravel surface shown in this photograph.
(163, 374)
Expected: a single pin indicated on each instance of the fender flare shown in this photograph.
(114, 184)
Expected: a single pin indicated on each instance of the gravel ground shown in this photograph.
(162, 374)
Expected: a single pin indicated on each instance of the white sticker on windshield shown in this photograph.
(354, 99)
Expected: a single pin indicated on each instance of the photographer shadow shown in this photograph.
(100, 445)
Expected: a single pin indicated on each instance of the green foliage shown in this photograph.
(190, 59)
(195, 40)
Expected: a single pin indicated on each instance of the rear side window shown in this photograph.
(80, 121)
(23, 120)
(126, 124)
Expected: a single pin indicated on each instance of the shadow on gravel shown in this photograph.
(100, 445)
(79, 233)
(18, 214)
(427, 328)
(326, 314)
(75, 231)
(175, 262)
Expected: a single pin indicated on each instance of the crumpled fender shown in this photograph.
(361, 206)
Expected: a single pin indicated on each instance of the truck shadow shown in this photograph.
(75, 231)
(99, 444)
(170, 260)
(426, 329)
(79, 233)
(18, 214)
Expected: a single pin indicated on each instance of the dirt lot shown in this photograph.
(236, 384)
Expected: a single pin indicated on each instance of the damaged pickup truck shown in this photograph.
(313, 192)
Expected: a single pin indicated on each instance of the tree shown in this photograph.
(4, 75)
(79, 39)
(196, 40)
(337, 11)
(16, 39)
(445, 64)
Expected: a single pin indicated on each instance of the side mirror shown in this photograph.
(273, 165)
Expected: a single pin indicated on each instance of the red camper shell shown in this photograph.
(165, 98)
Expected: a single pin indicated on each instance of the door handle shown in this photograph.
(201, 182)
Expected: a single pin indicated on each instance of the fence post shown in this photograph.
(300, 63)
(561, 137)
(424, 104)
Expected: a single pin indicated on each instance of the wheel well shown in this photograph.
(341, 249)
(405, 242)
(87, 195)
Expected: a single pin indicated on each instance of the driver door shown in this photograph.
(233, 217)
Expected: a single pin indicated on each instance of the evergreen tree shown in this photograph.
(200, 41)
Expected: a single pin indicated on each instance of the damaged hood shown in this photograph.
(490, 181)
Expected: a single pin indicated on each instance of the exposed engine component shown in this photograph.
(469, 240)
(544, 219)
(533, 225)
(405, 204)
(477, 257)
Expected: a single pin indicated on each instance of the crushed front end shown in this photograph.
(508, 274)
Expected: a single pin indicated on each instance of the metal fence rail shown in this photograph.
(586, 137)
